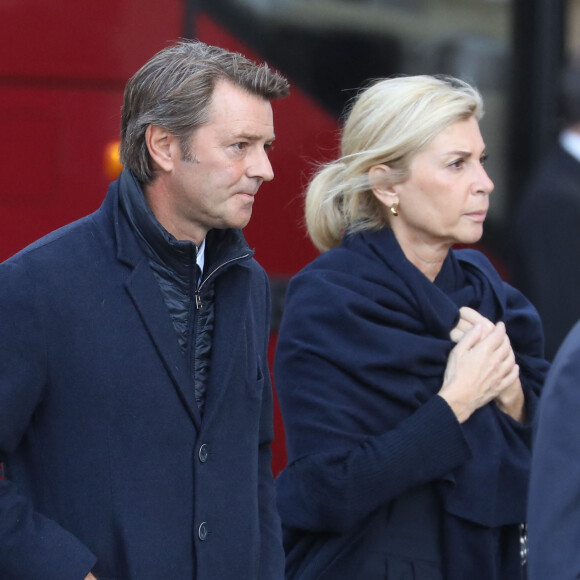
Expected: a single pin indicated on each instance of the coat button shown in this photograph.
(203, 453)
(202, 532)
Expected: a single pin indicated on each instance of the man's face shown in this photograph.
(214, 184)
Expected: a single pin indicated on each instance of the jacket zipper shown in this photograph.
(198, 302)
(199, 305)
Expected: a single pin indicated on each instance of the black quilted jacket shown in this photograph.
(190, 301)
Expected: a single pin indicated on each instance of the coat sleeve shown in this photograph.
(272, 552)
(334, 491)
(32, 546)
(554, 496)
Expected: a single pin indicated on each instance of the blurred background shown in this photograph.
(64, 64)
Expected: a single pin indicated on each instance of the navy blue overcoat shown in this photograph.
(382, 481)
(554, 501)
(108, 465)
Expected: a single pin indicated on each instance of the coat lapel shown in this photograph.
(146, 296)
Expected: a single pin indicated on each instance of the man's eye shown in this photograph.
(242, 145)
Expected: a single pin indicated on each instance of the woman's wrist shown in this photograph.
(512, 402)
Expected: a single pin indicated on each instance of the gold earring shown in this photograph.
(395, 209)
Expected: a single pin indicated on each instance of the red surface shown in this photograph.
(63, 67)
(91, 39)
(52, 157)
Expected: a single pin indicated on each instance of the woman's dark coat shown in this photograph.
(382, 481)
(108, 464)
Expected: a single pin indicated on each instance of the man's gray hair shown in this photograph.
(174, 89)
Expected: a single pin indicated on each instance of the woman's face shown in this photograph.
(445, 198)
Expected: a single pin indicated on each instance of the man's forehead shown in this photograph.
(247, 128)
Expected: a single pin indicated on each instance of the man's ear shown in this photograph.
(162, 146)
(380, 182)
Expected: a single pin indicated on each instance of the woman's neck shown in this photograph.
(427, 258)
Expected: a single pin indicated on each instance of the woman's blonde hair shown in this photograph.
(388, 123)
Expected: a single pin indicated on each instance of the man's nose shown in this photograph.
(261, 167)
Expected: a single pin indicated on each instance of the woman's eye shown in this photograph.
(457, 164)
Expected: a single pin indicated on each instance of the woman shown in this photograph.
(407, 372)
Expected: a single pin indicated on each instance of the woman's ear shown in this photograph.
(161, 145)
(380, 182)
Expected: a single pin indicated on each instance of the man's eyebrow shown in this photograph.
(251, 137)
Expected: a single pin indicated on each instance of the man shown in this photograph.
(546, 242)
(135, 399)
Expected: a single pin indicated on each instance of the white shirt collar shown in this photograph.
(570, 142)
(200, 260)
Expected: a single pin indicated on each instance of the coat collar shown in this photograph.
(145, 293)
(224, 247)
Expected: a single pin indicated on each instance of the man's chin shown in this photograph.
(239, 222)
